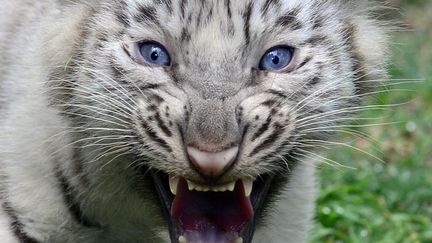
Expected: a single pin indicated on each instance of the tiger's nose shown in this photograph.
(212, 164)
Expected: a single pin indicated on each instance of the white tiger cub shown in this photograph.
(174, 121)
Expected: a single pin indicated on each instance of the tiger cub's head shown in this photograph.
(217, 101)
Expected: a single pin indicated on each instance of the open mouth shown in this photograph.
(199, 213)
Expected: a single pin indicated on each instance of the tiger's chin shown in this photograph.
(211, 213)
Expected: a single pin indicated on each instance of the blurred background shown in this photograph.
(387, 194)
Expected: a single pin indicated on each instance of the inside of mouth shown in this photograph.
(211, 216)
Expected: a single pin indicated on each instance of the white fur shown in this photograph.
(36, 36)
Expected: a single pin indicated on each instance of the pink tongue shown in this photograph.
(220, 214)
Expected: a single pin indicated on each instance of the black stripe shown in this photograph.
(270, 140)
(305, 61)
(162, 126)
(153, 136)
(246, 17)
(183, 7)
(70, 200)
(186, 113)
(123, 18)
(278, 93)
(210, 14)
(148, 86)
(317, 22)
(263, 128)
(185, 35)
(265, 8)
(16, 225)
(119, 74)
(315, 80)
(269, 103)
(157, 99)
(317, 40)
(198, 19)
(146, 14)
(290, 20)
(228, 7)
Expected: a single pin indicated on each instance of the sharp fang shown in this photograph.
(239, 240)
(247, 184)
(231, 186)
(173, 182)
(182, 239)
(191, 185)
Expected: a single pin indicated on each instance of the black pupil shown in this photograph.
(275, 60)
(154, 55)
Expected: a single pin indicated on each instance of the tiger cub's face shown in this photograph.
(218, 99)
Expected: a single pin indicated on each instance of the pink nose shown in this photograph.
(212, 164)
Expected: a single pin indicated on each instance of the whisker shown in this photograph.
(350, 110)
(94, 118)
(113, 84)
(125, 111)
(338, 120)
(327, 161)
(101, 112)
(315, 129)
(359, 135)
(130, 81)
(345, 145)
(92, 94)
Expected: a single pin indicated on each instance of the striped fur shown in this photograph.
(82, 122)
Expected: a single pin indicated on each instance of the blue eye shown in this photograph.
(276, 58)
(155, 54)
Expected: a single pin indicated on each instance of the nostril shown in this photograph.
(210, 163)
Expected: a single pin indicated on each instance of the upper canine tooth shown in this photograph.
(173, 182)
(247, 184)
(191, 185)
(231, 186)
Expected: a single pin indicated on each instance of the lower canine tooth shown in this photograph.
(239, 240)
(173, 182)
(247, 184)
(182, 239)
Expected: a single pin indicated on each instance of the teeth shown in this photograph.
(247, 184)
(231, 186)
(182, 239)
(191, 185)
(203, 188)
(239, 240)
(173, 182)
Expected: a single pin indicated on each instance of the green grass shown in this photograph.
(388, 199)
